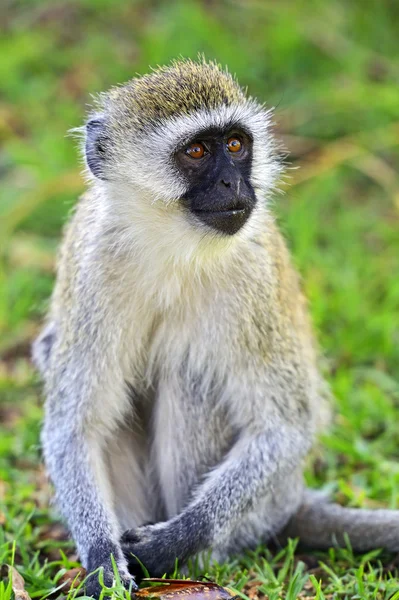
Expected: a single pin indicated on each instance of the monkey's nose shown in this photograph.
(231, 182)
(225, 182)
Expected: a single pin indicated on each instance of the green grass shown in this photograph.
(332, 71)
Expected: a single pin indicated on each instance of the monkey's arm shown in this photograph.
(79, 356)
(321, 524)
(73, 445)
(229, 492)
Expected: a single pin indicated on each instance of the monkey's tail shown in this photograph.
(321, 524)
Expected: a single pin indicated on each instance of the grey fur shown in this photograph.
(212, 336)
(321, 524)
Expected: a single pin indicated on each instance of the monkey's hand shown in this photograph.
(102, 570)
(155, 546)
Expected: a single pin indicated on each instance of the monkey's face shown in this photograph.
(189, 181)
(217, 167)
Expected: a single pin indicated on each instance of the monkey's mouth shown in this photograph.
(226, 212)
(227, 220)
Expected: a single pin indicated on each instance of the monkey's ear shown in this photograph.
(96, 145)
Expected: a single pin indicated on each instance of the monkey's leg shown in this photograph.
(221, 502)
(135, 500)
(321, 524)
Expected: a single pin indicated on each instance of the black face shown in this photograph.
(217, 165)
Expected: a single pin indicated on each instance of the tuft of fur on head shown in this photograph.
(182, 88)
(137, 129)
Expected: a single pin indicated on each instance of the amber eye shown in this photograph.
(195, 150)
(234, 144)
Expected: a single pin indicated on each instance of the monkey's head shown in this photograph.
(184, 137)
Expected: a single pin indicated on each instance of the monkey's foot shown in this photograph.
(93, 587)
(103, 570)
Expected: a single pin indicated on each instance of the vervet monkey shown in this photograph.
(180, 367)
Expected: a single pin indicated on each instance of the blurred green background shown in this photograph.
(331, 69)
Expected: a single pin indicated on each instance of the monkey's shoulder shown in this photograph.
(267, 277)
(82, 262)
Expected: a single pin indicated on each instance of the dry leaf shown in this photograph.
(183, 588)
(72, 579)
(17, 582)
(251, 589)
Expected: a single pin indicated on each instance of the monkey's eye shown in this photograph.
(234, 144)
(196, 150)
